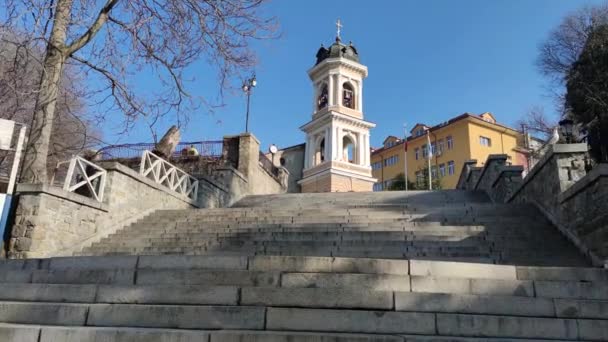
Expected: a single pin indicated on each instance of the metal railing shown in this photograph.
(210, 149)
(167, 174)
(83, 177)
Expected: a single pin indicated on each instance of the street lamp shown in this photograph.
(248, 86)
(566, 127)
(273, 150)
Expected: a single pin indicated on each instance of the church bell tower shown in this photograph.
(337, 155)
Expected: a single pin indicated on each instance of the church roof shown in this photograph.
(337, 50)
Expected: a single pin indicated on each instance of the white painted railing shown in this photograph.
(85, 178)
(167, 174)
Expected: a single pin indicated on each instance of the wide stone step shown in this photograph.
(10, 268)
(33, 333)
(342, 298)
(300, 319)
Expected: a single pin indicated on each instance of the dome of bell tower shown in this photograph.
(337, 50)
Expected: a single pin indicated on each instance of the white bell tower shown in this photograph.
(337, 156)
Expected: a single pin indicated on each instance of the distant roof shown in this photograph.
(390, 137)
(337, 49)
(481, 117)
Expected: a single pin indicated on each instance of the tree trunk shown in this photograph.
(35, 160)
(166, 146)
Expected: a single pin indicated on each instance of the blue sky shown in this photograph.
(428, 60)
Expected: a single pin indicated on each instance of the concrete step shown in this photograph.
(300, 319)
(307, 264)
(34, 333)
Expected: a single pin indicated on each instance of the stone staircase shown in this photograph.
(427, 266)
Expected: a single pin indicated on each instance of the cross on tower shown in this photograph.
(338, 27)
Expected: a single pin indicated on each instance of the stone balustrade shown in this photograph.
(50, 221)
(575, 201)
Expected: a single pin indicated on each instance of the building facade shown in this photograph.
(465, 137)
(337, 152)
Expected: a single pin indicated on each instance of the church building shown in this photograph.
(337, 145)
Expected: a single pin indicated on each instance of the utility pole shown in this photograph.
(248, 86)
(405, 152)
(429, 156)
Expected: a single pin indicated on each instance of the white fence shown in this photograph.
(167, 174)
(84, 178)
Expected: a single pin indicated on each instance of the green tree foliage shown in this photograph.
(398, 184)
(421, 184)
(587, 91)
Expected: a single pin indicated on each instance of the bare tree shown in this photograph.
(112, 42)
(565, 43)
(20, 72)
(537, 123)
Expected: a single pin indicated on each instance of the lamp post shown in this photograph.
(566, 127)
(273, 150)
(248, 86)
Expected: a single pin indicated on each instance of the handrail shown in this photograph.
(90, 178)
(167, 174)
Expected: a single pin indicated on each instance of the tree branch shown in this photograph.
(102, 18)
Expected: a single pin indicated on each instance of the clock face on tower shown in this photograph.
(322, 100)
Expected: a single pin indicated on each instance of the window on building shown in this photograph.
(378, 186)
(441, 170)
(425, 151)
(348, 95)
(485, 141)
(392, 160)
(440, 146)
(434, 172)
(417, 150)
(450, 142)
(376, 165)
(433, 149)
(323, 98)
(419, 132)
(451, 169)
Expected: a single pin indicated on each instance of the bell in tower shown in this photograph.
(337, 153)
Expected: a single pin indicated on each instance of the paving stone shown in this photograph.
(84, 276)
(377, 322)
(317, 298)
(328, 264)
(376, 282)
(562, 273)
(506, 326)
(168, 294)
(174, 316)
(593, 330)
(16, 276)
(572, 289)
(473, 286)
(459, 303)
(461, 270)
(19, 333)
(48, 293)
(100, 334)
(43, 313)
(93, 263)
(572, 308)
(205, 277)
(192, 261)
(274, 336)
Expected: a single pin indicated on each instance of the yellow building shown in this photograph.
(465, 137)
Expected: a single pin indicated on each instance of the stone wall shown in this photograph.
(243, 175)
(575, 201)
(584, 211)
(50, 221)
